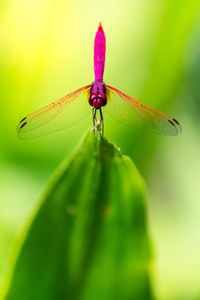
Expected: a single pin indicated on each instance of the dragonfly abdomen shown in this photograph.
(99, 54)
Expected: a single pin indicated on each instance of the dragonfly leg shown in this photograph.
(94, 116)
(101, 121)
(97, 122)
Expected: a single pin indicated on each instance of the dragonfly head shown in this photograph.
(97, 100)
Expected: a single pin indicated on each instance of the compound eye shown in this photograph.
(102, 96)
(93, 96)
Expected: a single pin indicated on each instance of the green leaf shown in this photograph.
(89, 239)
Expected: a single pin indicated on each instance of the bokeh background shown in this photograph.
(153, 54)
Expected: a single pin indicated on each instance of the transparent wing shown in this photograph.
(137, 114)
(58, 115)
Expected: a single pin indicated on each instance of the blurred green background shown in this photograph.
(153, 54)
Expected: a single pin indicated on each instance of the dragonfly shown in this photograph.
(97, 97)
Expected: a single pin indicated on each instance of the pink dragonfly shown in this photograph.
(72, 108)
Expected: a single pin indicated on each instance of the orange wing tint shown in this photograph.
(58, 115)
(135, 113)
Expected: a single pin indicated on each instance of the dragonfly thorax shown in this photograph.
(97, 100)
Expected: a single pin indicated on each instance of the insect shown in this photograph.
(101, 97)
